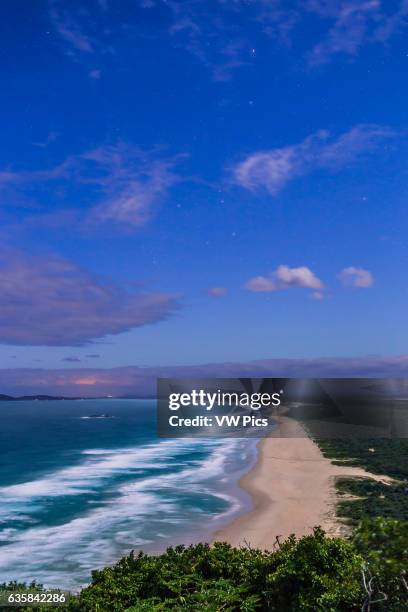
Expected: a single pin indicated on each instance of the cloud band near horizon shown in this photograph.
(141, 381)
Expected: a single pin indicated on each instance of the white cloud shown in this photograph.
(317, 295)
(285, 277)
(273, 169)
(261, 283)
(217, 291)
(357, 277)
(269, 169)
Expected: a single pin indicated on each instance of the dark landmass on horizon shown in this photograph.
(10, 398)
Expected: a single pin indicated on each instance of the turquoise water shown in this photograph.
(76, 492)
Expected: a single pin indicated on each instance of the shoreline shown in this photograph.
(292, 490)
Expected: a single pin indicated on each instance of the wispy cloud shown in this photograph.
(71, 359)
(221, 34)
(357, 277)
(51, 137)
(25, 178)
(340, 27)
(95, 74)
(317, 295)
(86, 31)
(125, 184)
(210, 34)
(273, 169)
(354, 24)
(69, 26)
(217, 291)
(351, 27)
(51, 301)
(132, 183)
(392, 22)
(285, 277)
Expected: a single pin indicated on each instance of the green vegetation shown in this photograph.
(370, 499)
(383, 543)
(305, 574)
(366, 571)
(361, 498)
(376, 455)
(313, 573)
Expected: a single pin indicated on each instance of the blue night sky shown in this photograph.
(194, 181)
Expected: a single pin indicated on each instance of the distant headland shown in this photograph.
(11, 398)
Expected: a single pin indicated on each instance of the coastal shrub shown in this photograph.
(194, 577)
(383, 544)
(315, 573)
(310, 573)
(377, 455)
(366, 498)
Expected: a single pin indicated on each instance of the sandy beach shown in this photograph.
(292, 489)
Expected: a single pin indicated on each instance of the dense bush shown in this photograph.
(313, 573)
(361, 498)
(383, 544)
(377, 455)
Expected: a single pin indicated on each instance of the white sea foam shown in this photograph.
(55, 554)
(102, 464)
(141, 509)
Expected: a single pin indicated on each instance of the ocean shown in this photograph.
(78, 492)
